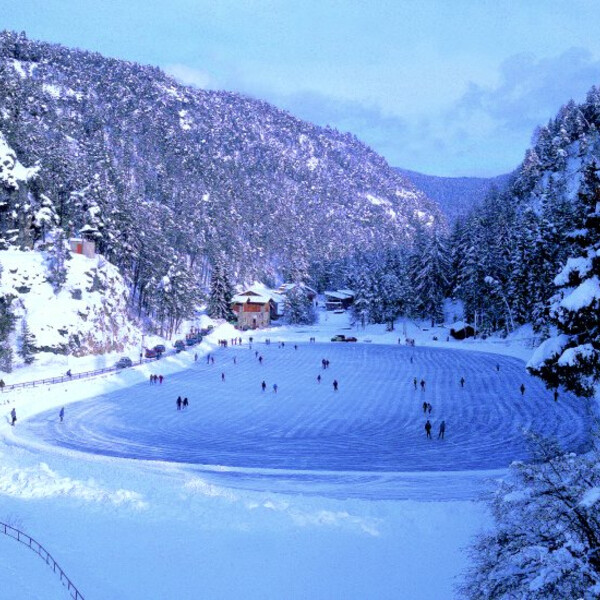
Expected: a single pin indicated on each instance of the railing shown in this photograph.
(73, 376)
(27, 540)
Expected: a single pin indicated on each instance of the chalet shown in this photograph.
(338, 299)
(461, 330)
(253, 309)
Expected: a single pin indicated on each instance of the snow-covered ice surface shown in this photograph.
(303, 493)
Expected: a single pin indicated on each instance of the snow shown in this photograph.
(312, 163)
(51, 89)
(582, 265)
(583, 295)
(89, 311)
(233, 523)
(11, 170)
(591, 497)
(573, 356)
(549, 348)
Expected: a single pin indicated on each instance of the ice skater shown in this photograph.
(429, 408)
(423, 384)
(61, 414)
(424, 407)
(415, 382)
(178, 403)
(522, 388)
(275, 387)
(428, 429)
(442, 430)
(185, 402)
(13, 416)
(319, 378)
(222, 376)
(462, 382)
(263, 385)
(335, 385)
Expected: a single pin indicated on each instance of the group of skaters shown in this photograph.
(156, 379)
(234, 342)
(181, 404)
(263, 386)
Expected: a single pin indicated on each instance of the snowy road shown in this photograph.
(365, 440)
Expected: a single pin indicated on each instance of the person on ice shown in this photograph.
(429, 408)
(424, 407)
(222, 376)
(335, 385)
(319, 378)
(61, 414)
(179, 403)
(462, 382)
(415, 382)
(185, 402)
(556, 395)
(442, 430)
(522, 388)
(263, 385)
(423, 384)
(275, 387)
(428, 429)
(13, 416)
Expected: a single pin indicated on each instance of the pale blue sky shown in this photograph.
(451, 87)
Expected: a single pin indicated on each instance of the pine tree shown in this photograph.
(221, 293)
(546, 543)
(58, 254)
(572, 357)
(27, 344)
(7, 324)
(299, 309)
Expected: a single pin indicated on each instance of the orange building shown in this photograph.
(253, 309)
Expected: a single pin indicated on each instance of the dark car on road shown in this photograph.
(338, 338)
(351, 339)
(151, 353)
(124, 362)
(179, 345)
(160, 348)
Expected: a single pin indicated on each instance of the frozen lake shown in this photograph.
(373, 426)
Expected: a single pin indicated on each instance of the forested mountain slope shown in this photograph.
(170, 179)
(508, 252)
(456, 196)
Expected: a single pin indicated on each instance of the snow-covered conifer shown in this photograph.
(571, 358)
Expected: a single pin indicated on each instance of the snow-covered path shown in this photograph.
(365, 440)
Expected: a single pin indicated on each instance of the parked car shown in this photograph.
(338, 338)
(159, 348)
(151, 353)
(351, 339)
(124, 362)
(207, 330)
(193, 340)
(179, 345)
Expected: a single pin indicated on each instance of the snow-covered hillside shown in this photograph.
(87, 316)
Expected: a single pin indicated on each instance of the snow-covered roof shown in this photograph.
(339, 295)
(348, 292)
(251, 297)
(460, 325)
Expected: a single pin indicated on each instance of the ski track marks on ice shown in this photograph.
(366, 440)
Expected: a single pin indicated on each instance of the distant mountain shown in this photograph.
(167, 179)
(456, 196)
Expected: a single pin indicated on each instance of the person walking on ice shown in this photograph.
(319, 378)
(424, 407)
(428, 429)
(178, 403)
(415, 382)
(61, 414)
(222, 376)
(335, 385)
(522, 388)
(263, 385)
(462, 382)
(275, 387)
(13, 416)
(442, 430)
(423, 384)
